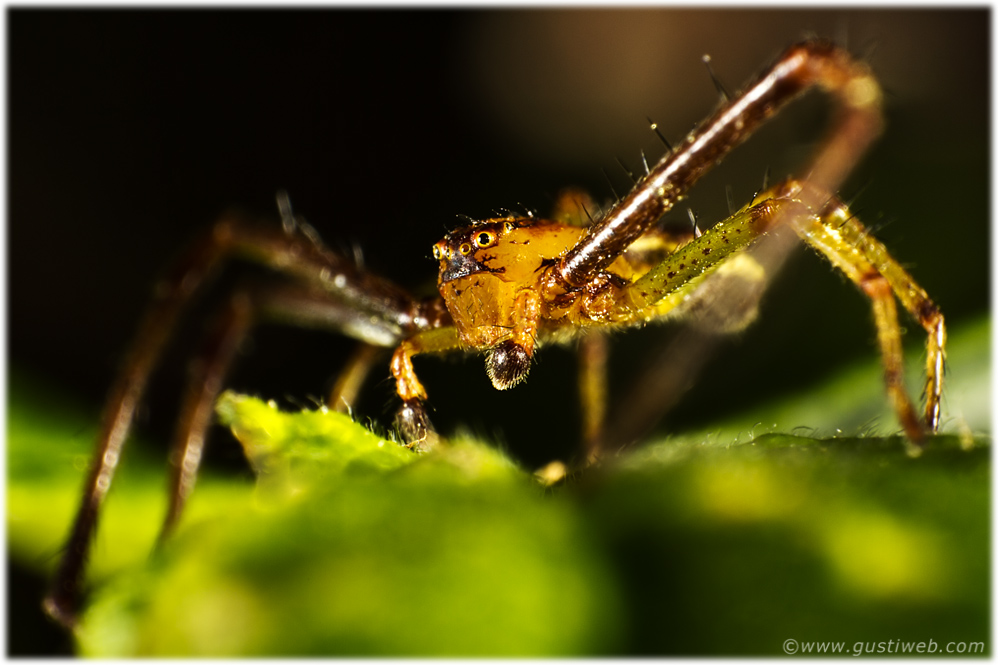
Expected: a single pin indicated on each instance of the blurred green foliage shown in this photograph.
(726, 542)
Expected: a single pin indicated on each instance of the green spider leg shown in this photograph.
(676, 287)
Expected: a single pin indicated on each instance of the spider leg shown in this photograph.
(675, 285)
(593, 352)
(203, 387)
(171, 297)
(357, 303)
(288, 304)
(344, 392)
(668, 288)
(814, 63)
(844, 241)
(412, 419)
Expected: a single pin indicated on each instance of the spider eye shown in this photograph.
(484, 239)
(465, 248)
(508, 226)
(436, 252)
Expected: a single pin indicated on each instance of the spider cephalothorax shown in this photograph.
(489, 280)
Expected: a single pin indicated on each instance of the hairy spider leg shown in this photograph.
(357, 303)
(803, 66)
(799, 68)
(305, 307)
(845, 242)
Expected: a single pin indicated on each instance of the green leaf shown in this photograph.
(715, 542)
(733, 549)
(364, 548)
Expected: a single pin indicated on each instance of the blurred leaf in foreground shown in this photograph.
(355, 545)
(710, 543)
(730, 550)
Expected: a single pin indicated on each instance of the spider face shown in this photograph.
(511, 248)
(487, 272)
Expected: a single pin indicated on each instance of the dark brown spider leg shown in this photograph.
(390, 313)
(801, 67)
(301, 256)
(344, 392)
(291, 303)
(593, 352)
(841, 238)
(172, 294)
(197, 410)
(412, 419)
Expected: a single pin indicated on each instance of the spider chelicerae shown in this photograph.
(510, 284)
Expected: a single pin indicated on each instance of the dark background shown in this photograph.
(130, 130)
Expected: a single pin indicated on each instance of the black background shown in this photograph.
(130, 130)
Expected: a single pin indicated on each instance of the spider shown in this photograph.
(508, 285)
